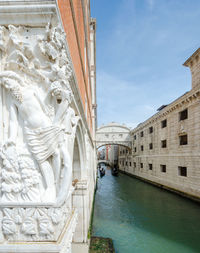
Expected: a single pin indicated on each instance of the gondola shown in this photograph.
(102, 172)
(115, 171)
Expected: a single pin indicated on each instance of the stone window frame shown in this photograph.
(164, 143)
(151, 146)
(183, 139)
(183, 115)
(164, 123)
(182, 171)
(150, 129)
(150, 166)
(163, 168)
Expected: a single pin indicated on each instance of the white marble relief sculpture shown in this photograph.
(36, 164)
(30, 224)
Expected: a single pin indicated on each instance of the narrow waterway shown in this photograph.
(141, 218)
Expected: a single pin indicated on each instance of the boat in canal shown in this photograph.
(115, 171)
(102, 171)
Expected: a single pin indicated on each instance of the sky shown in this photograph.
(141, 46)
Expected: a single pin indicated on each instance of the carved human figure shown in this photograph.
(42, 137)
(65, 117)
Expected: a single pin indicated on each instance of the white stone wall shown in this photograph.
(47, 154)
(174, 155)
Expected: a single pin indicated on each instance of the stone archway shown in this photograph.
(76, 167)
(80, 183)
(79, 156)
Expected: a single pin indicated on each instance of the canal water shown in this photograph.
(141, 218)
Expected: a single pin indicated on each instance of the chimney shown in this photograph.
(193, 62)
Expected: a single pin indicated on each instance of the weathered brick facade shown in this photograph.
(75, 15)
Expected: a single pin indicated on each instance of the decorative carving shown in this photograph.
(31, 224)
(19, 177)
(40, 119)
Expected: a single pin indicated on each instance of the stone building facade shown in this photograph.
(166, 147)
(124, 159)
(47, 125)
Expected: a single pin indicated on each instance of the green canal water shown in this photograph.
(141, 218)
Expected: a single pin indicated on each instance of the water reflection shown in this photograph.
(142, 218)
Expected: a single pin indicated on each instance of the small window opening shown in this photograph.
(183, 115)
(150, 129)
(182, 171)
(163, 168)
(183, 140)
(164, 143)
(150, 166)
(151, 146)
(163, 123)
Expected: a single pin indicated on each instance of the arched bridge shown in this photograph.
(106, 162)
(114, 134)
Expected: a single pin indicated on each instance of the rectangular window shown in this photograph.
(150, 130)
(150, 166)
(183, 140)
(141, 165)
(163, 123)
(182, 171)
(163, 168)
(150, 145)
(129, 163)
(163, 143)
(183, 115)
(142, 148)
(126, 151)
(135, 137)
(141, 134)
(135, 149)
(126, 163)
(134, 164)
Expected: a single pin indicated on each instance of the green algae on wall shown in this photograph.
(101, 245)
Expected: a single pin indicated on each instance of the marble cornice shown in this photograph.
(30, 13)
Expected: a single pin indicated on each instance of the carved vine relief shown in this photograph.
(38, 120)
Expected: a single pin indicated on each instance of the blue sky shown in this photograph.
(141, 46)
